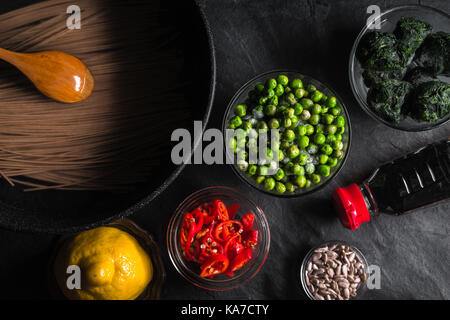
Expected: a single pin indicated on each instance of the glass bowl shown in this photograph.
(308, 258)
(242, 94)
(190, 270)
(388, 19)
(153, 289)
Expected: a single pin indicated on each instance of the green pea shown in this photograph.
(262, 126)
(324, 100)
(252, 169)
(283, 80)
(308, 183)
(294, 151)
(324, 109)
(300, 181)
(316, 96)
(240, 110)
(303, 142)
(327, 119)
(274, 123)
(340, 121)
(298, 109)
(312, 148)
(236, 121)
(330, 129)
(286, 144)
(279, 174)
(263, 100)
(242, 165)
(246, 126)
(319, 128)
(310, 168)
(302, 159)
(270, 109)
(290, 187)
(330, 138)
(299, 93)
(263, 170)
(259, 87)
(287, 123)
(270, 93)
(280, 187)
(296, 83)
(294, 120)
(280, 155)
(289, 112)
(273, 100)
(339, 154)
(298, 170)
(301, 130)
(291, 98)
(269, 153)
(335, 111)
(316, 109)
(326, 149)
(307, 103)
(271, 83)
(311, 88)
(315, 119)
(339, 136)
(289, 167)
(331, 102)
(323, 158)
(269, 184)
(323, 170)
(337, 145)
(281, 110)
(309, 129)
(287, 89)
(279, 90)
(315, 178)
(319, 138)
(260, 179)
(231, 125)
(305, 115)
(340, 130)
(332, 162)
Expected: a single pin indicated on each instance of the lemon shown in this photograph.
(112, 265)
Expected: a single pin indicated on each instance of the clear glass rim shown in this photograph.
(361, 289)
(212, 284)
(352, 62)
(341, 162)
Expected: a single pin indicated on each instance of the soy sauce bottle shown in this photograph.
(413, 181)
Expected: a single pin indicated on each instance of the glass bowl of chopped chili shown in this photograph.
(218, 239)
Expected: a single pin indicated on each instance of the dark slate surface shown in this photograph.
(315, 38)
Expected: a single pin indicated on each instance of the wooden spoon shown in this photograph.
(56, 74)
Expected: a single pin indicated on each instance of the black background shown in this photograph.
(314, 37)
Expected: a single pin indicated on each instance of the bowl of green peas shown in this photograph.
(288, 134)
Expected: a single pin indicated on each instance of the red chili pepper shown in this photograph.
(241, 260)
(209, 248)
(187, 231)
(247, 221)
(199, 218)
(216, 265)
(220, 210)
(225, 230)
(250, 238)
(233, 246)
(232, 210)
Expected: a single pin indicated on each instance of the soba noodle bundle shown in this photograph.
(116, 137)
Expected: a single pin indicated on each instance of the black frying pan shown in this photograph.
(71, 211)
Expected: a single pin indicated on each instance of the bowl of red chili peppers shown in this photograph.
(218, 239)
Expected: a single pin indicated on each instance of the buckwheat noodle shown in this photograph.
(116, 137)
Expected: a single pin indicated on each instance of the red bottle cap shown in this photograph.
(350, 206)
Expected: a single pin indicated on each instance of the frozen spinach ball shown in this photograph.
(431, 101)
(387, 97)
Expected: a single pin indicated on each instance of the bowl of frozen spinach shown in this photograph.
(399, 68)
